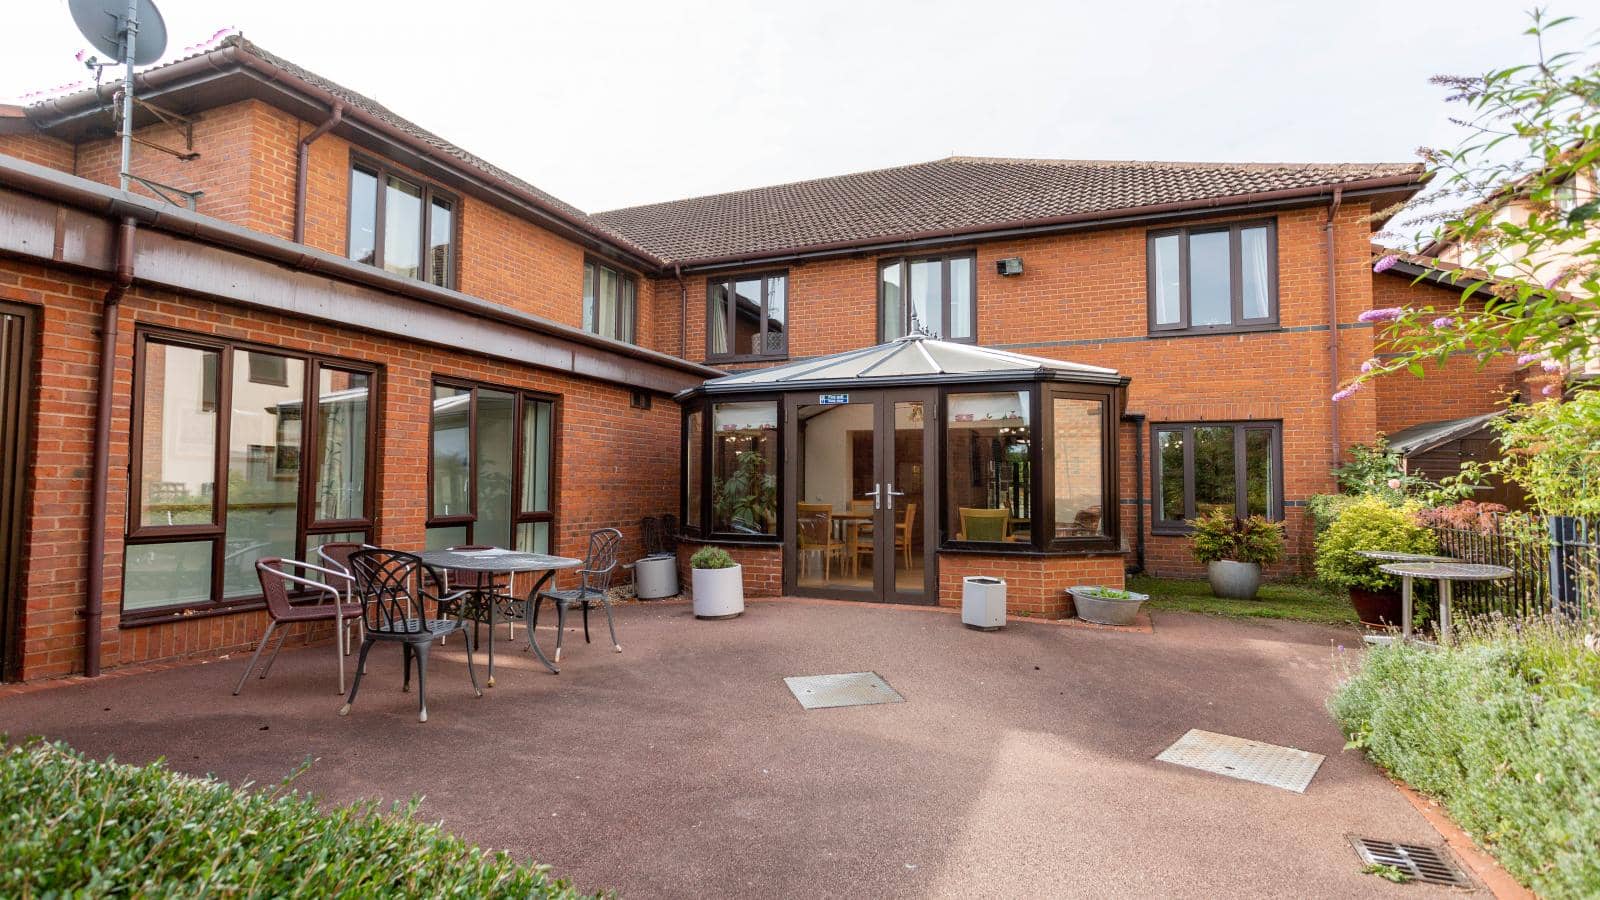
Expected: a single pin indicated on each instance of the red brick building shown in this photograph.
(490, 364)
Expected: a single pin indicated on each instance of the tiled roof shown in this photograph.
(959, 193)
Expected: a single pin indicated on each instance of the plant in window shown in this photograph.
(748, 498)
(1234, 550)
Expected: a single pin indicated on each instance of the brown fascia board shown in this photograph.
(274, 85)
(113, 204)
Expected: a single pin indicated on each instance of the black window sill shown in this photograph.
(1253, 328)
(720, 541)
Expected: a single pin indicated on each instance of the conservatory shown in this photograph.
(892, 472)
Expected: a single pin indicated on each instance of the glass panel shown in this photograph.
(452, 408)
(927, 297)
(589, 299)
(533, 537)
(691, 471)
(1170, 445)
(156, 575)
(1079, 447)
(342, 410)
(961, 298)
(264, 426)
(717, 322)
(441, 234)
(363, 216)
(402, 228)
(1214, 478)
(313, 541)
(1210, 291)
(178, 462)
(904, 539)
(605, 316)
(893, 311)
(1259, 480)
(988, 467)
(535, 456)
(445, 536)
(834, 509)
(747, 316)
(496, 432)
(1255, 272)
(1167, 292)
(777, 310)
(744, 467)
(626, 310)
(265, 369)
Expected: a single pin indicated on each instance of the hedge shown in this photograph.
(78, 826)
(1503, 728)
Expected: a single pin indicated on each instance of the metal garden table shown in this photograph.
(491, 606)
(1446, 573)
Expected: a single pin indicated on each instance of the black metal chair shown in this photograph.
(392, 587)
(594, 581)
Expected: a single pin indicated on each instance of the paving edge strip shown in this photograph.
(1477, 861)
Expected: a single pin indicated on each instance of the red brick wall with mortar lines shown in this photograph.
(614, 464)
(1035, 585)
(763, 568)
(38, 149)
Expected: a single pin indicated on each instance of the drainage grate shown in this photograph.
(1283, 767)
(1418, 861)
(852, 689)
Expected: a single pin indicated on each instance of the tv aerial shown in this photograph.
(132, 33)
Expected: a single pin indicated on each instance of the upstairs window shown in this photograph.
(1213, 278)
(746, 318)
(609, 301)
(932, 295)
(401, 225)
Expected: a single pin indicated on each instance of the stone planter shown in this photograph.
(1105, 610)
(718, 593)
(1234, 580)
(1378, 609)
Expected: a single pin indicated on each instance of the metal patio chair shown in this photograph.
(276, 583)
(394, 608)
(594, 581)
(336, 556)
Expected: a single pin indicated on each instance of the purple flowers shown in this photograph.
(1368, 366)
(1387, 314)
(1387, 263)
(1348, 391)
(1550, 365)
(1548, 389)
(1528, 359)
(1444, 322)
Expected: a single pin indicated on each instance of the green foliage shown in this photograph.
(1501, 727)
(1219, 536)
(711, 558)
(1324, 508)
(1375, 471)
(747, 500)
(1386, 872)
(1279, 600)
(1552, 451)
(80, 827)
(1369, 524)
(1105, 593)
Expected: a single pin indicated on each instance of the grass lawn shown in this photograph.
(1298, 601)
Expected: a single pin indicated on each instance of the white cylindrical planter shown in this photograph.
(983, 602)
(718, 593)
(655, 577)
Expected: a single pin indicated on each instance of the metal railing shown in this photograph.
(1555, 568)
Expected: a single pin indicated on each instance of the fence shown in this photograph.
(1555, 568)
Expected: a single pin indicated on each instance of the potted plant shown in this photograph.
(1106, 606)
(1371, 523)
(718, 584)
(1234, 550)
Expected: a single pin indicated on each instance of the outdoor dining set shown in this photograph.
(418, 600)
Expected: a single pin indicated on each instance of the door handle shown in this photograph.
(892, 493)
(876, 494)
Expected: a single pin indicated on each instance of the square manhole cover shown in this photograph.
(1235, 757)
(852, 689)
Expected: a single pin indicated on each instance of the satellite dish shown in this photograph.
(103, 22)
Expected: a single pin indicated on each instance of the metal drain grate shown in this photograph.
(1222, 754)
(852, 689)
(1418, 861)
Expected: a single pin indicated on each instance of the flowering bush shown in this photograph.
(1468, 515)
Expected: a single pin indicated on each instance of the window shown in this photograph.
(932, 295)
(608, 301)
(693, 477)
(490, 469)
(746, 317)
(1235, 467)
(229, 469)
(744, 468)
(1219, 278)
(989, 466)
(401, 225)
(1079, 473)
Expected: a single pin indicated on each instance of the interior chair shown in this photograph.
(277, 580)
(982, 524)
(394, 609)
(814, 534)
(594, 583)
(903, 531)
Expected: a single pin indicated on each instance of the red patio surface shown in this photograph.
(1022, 763)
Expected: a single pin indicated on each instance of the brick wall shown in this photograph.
(1035, 585)
(763, 567)
(39, 149)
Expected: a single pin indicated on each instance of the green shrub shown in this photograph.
(1219, 536)
(1503, 728)
(711, 558)
(1369, 523)
(80, 827)
(1324, 508)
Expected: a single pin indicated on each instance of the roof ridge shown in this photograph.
(1169, 163)
(767, 187)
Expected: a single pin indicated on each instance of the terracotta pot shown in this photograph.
(1377, 608)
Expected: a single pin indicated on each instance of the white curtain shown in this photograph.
(1253, 257)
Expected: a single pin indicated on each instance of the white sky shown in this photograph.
(609, 104)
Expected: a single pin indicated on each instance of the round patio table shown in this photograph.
(1396, 557)
(1446, 573)
(485, 605)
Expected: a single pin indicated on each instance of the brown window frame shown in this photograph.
(944, 296)
(382, 171)
(1235, 279)
(622, 275)
(518, 516)
(215, 532)
(766, 278)
(1274, 427)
